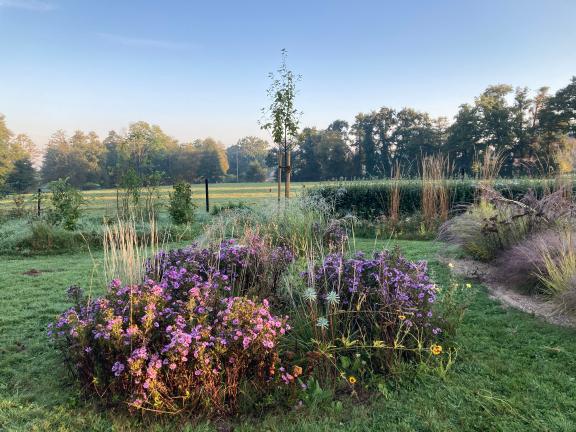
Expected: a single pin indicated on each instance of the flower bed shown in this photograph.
(209, 324)
(183, 339)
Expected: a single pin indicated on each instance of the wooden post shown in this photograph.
(207, 197)
(279, 173)
(287, 191)
(39, 209)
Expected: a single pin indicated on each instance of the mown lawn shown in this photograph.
(513, 372)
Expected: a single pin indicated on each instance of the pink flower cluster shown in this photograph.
(178, 341)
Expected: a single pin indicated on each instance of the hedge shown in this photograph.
(369, 199)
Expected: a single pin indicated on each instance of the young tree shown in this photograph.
(282, 118)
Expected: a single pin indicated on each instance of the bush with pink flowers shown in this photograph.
(186, 338)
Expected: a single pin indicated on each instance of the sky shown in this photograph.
(200, 68)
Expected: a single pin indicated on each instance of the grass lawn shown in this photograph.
(513, 372)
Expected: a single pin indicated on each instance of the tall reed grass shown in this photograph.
(435, 172)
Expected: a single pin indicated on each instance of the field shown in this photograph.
(512, 372)
(103, 202)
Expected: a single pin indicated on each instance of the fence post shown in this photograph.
(39, 201)
(207, 197)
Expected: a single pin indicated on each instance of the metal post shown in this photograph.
(207, 198)
(39, 200)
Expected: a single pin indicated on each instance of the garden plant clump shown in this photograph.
(207, 325)
(365, 315)
(183, 339)
(529, 242)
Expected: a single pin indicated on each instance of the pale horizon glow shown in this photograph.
(200, 70)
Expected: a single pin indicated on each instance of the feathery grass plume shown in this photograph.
(395, 193)
(559, 271)
(488, 165)
(435, 172)
(125, 252)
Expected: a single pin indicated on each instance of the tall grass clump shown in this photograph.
(435, 171)
(395, 194)
(125, 251)
(558, 275)
(301, 225)
(497, 223)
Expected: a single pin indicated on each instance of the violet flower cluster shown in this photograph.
(182, 339)
(382, 297)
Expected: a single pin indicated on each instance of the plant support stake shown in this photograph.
(39, 201)
(207, 198)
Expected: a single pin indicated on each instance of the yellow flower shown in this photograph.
(436, 349)
(468, 285)
(450, 265)
(297, 371)
(402, 317)
(352, 380)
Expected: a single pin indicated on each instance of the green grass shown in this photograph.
(513, 372)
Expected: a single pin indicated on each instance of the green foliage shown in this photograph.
(181, 207)
(22, 178)
(372, 199)
(282, 117)
(66, 202)
(230, 205)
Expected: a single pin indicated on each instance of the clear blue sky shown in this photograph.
(199, 68)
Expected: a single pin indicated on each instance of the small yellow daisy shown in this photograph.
(352, 380)
(436, 349)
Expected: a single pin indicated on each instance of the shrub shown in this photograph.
(181, 206)
(252, 268)
(181, 340)
(220, 208)
(66, 202)
(370, 199)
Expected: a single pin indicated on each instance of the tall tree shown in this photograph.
(244, 153)
(213, 163)
(23, 176)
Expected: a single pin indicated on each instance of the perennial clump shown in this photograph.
(186, 338)
(381, 306)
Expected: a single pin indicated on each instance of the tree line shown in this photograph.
(534, 133)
